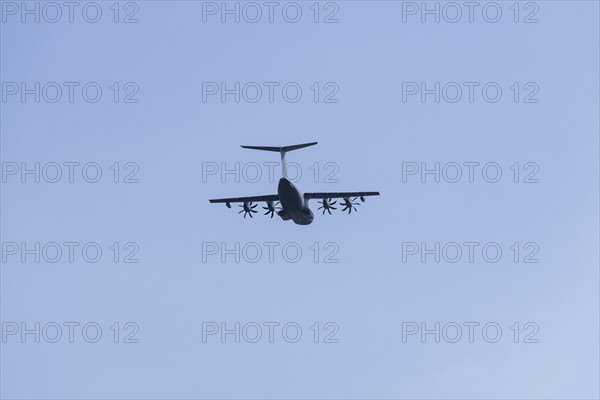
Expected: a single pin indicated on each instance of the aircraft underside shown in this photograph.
(292, 204)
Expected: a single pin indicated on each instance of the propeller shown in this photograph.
(270, 208)
(350, 204)
(248, 209)
(327, 206)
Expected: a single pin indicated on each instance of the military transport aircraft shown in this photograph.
(294, 205)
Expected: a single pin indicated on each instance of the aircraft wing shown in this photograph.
(268, 197)
(336, 195)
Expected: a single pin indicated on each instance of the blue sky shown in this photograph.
(170, 135)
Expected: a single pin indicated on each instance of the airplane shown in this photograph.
(294, 204)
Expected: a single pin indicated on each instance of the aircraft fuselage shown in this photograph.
(293, 205)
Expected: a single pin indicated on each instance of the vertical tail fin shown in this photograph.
(281, 150)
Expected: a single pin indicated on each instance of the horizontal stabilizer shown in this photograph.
(281, 149)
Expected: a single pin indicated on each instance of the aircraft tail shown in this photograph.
(281, 150)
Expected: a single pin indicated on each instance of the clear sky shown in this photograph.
(169, 128)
